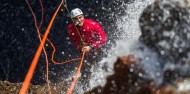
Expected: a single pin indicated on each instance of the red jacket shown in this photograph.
(91, 33)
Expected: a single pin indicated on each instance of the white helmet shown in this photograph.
(75, 12)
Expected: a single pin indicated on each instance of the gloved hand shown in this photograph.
(86, 48)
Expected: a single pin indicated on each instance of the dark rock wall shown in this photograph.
(165, 28)
(19, 41)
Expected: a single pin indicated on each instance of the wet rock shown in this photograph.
(166, 32)
(14, 88)
(165, 28)
(126, 79)
(123, 81)
(180, 87)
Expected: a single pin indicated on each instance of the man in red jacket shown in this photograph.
(86, 34)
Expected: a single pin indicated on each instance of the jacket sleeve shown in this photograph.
(100, 35)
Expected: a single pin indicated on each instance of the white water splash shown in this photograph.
(131, 32)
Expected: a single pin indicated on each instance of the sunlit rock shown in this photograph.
(14, 88)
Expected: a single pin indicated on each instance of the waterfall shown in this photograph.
(129, 26)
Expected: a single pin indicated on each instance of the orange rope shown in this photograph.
(47, 62)
(54, 63)
(77, 74)
(38, 31)
(30, 73)
(42, 18)
(52, 57)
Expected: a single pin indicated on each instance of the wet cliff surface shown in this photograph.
(19, 40)
(128, 79)
(165, 33)
(165, 30)
(163, 67)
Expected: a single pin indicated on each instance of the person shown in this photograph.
(86, 34)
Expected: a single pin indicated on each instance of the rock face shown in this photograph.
(127, 79)
(14, 88)
(165, 28)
